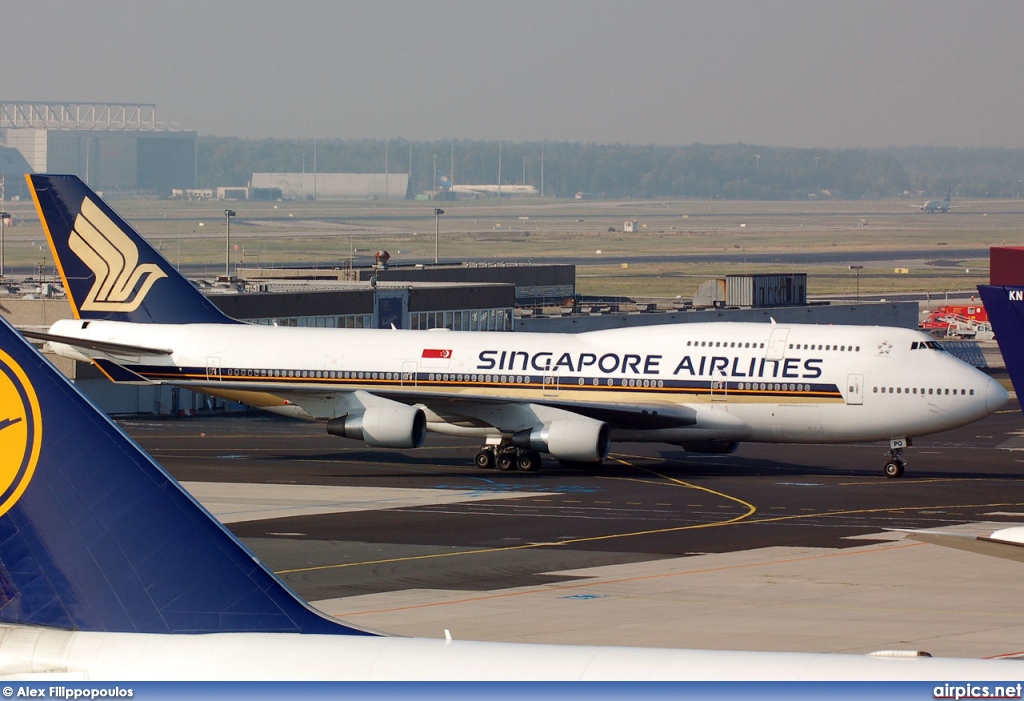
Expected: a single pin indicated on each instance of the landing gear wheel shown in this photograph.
(895, 464)
(484, 459)
(528, 461)
(894, 468)
(505, 461)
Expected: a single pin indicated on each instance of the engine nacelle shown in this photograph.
(388, 426)
(581, 440)
(711, 447)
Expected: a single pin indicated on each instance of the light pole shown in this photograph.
(4, 218)
(856, 269)
(437, 226)
(228, 213)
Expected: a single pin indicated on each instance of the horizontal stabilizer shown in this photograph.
(101, 346)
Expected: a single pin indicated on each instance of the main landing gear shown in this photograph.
(507, 457)
(895, 463)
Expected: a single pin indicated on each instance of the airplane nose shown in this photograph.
(995, 396)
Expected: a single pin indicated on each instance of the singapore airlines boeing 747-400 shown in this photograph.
(703, 386)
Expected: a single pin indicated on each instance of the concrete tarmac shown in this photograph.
(771, 548)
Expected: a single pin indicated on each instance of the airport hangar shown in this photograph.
(111, 146)
(471, 297)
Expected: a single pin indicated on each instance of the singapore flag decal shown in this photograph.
(437, 353)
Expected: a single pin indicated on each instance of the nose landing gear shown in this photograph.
(895, 463)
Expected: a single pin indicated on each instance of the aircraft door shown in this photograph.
(409, 369)
(213, 369)
(855, 389)
(777, 344)
(719, 390)
(550, 385)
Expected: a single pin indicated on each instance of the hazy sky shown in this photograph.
(802, 73)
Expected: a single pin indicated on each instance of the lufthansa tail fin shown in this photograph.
(96, 536)
(1005, 307)
(110, 271)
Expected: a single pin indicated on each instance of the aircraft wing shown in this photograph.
(1007, 543)
(502, 413)
(631, 416)
(90, 345)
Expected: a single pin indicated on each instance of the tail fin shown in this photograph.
(96, 536)
(446, 184)
(109, 270)
(949, 194)
(1005, 307)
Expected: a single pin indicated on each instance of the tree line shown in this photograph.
(562, 169)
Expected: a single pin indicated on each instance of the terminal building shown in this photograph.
(334, 186)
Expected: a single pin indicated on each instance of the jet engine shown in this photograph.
(580, 439)
(389, 426)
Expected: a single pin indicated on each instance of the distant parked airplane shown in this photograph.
(486, 190)
(937, 206)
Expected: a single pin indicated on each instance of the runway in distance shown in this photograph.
(110, 570)
(702, 386)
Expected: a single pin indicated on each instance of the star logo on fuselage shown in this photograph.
(884, 347)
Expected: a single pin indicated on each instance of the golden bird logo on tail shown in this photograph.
(121, 283)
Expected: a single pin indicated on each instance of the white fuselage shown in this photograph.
(744, 381)
(29, 653)
(492, 190)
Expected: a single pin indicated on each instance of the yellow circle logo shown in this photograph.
(20, 432)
